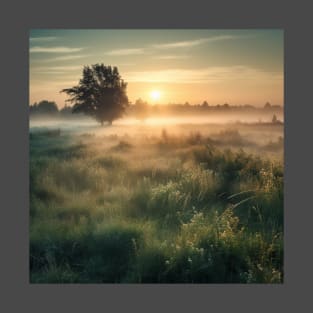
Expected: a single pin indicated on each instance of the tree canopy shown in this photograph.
(101, 93)
(44, 107)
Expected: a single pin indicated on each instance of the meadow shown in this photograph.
(156, 204)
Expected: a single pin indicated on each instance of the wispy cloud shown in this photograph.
(169, 45)
(55, 86)
(51, 72)
(65, 58)
(192, 43)
(36, 39)
(119, 52)
(54, 49)
(56, 69)
(210, 74)
(171, 57)
(181, 44)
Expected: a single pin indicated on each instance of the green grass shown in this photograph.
(158, 209)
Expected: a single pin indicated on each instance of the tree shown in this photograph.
(101, 93)
(141, 109)
(44, 107)
(66, 110)
(205, 104)
(33, 108)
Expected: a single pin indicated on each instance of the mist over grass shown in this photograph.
(142, 203)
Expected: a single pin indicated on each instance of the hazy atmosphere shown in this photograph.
(156, 156)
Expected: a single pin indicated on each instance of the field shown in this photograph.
(156, 203)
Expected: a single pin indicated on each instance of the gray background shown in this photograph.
(17, 19)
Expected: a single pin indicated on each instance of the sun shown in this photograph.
(155, 95)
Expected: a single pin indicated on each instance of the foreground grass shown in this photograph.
(163, 209)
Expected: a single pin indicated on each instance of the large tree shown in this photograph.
(101, 93)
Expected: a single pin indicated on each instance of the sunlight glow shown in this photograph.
(155, 95)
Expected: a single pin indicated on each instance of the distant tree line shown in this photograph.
(49, 109)
(44, 107)
(141, 109)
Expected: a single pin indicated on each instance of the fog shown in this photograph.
(249, 132)
(83, 124)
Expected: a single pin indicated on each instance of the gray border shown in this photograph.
(18, 18)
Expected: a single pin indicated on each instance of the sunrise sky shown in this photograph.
(164, 66)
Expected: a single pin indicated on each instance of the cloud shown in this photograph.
(66, 58)
(42, 39)
(196, 42)
(172, 57)
(54, 86)
(54, 49)
(51, 72)
(196, 76)
(56, 69)
(170, 45)
(121, 52)
(181, 44)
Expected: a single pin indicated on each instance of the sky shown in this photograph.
(163, 66)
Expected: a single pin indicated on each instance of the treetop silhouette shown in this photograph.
(101, 93)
